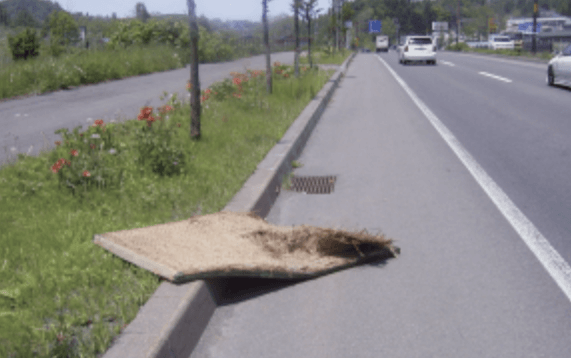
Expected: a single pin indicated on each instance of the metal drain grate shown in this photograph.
(313, 185)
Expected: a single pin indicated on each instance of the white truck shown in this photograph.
(382, 43)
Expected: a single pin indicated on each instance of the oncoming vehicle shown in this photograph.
(382, 43)
(559, 69)
(500, 43)
(418, 48)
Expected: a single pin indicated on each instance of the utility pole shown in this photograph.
(533, 43)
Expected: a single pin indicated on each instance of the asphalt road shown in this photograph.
(466, 284)
(518, 131)
(28, 124)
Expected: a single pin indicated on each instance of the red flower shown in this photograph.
(286, 75)
(57, 165)
(58, 143)
(99, 123)
(145, 113)
(208, 91)
(188, 85)
(74, 153)
(92, 146)
(237, 81)
(86, 174)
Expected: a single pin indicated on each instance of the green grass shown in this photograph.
(63, 296)
(327, 56)
(45, 73)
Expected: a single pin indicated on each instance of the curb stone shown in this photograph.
(171, 322)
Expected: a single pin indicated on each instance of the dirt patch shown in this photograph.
(242, 244)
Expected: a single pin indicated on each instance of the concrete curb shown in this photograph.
(171, 323)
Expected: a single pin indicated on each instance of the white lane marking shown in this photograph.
(447, 63)
(551, 260)
(499, 78)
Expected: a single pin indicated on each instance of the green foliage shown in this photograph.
(63, 28)
(4, 18)
(25, 19)
(141, 12)
(87, 160)
(48, 74)
(460, 46)
(38, 9)
(25, 45)
(158, 146)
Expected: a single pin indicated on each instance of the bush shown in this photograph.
(460, 46)
(157, 145)
(24, 45)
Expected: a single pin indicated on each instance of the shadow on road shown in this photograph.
(230, 290)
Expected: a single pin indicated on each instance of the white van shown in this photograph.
(500, 43)
(382, 43)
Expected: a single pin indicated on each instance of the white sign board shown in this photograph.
(348, 24)
(439, 26)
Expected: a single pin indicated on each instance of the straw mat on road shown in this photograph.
(242, 244)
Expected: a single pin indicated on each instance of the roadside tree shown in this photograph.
(296, 6)
(141, 12)
(194, 80)
(267, 45)
(309, 12)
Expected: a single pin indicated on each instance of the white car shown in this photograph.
(559, 69)
(417, 48)
(501, 43)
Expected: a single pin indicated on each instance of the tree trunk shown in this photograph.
(195, 83)
(296, 25)
(309, 40)
(267, 44)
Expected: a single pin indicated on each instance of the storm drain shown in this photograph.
(313, 185)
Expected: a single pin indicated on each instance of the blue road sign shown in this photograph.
(374, 26)
(528, 27)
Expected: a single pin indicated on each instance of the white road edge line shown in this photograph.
(495, 77)
(447, 63)
(555, 265)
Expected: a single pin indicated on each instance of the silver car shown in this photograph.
(559, 69)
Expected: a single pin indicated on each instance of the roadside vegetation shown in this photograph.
(463, 47)
(326, 55)
(63, 296)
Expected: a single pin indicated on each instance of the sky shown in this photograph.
(222, 9)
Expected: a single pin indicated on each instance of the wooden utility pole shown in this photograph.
(194, 81)
(267, 44)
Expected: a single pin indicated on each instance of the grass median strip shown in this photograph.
(44, 74)
(62, 296)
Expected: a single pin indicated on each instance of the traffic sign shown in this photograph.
(528, 27)
(375, 26)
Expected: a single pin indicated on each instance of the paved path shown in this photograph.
(465, 285)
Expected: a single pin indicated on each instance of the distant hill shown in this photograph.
(40, 9)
